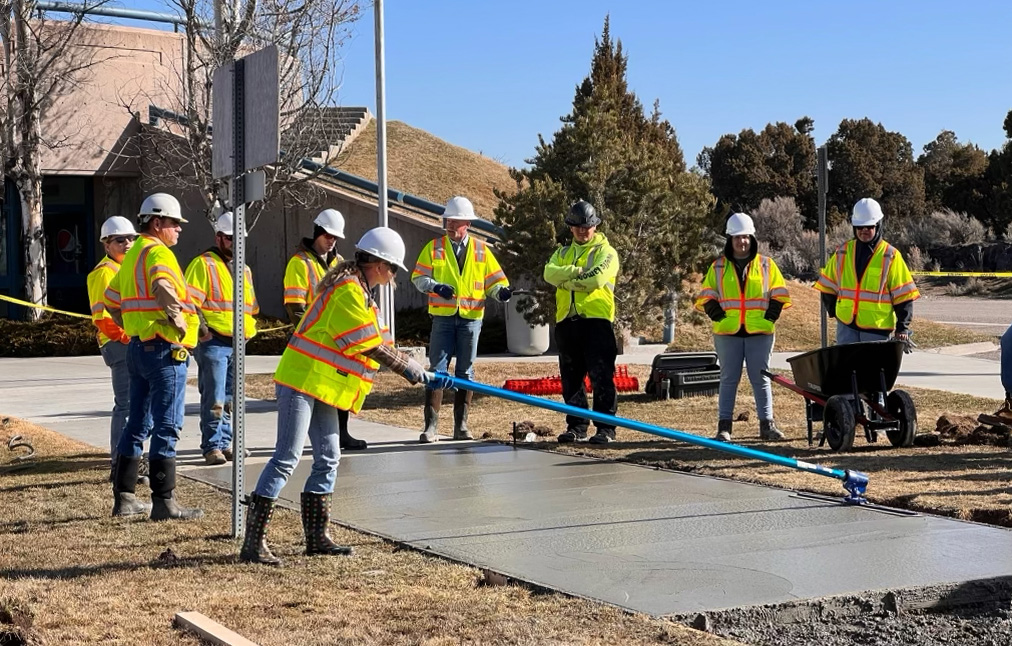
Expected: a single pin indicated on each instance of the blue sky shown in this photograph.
(490, 75)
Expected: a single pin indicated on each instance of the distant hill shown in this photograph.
(424, 165)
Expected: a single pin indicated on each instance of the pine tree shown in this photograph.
(630, 167)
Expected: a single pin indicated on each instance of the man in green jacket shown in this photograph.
(584, 274)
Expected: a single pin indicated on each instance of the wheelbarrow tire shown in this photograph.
(839, 423)
(901, 408)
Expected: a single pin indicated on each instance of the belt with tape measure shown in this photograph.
(180, 354)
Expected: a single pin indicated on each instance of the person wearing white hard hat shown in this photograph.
(148, 297)
(117, 236)
(305, 269)
(457, 272)
(744, 293)
(866, 285)
(209, 277)
(328, 367)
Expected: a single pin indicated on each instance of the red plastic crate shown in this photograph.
(553, 385)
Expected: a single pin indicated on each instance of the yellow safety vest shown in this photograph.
(98, 282)
(324, 356)
(480, 275)
(303, 272)
(598, 303)
(868, 302)
(210, 283)
(763, 282)
(131, 292)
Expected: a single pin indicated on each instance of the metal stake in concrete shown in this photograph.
(854, 482)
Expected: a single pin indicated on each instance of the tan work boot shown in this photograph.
(461, 404)
(433, 401)
(214, 457)
(768, 431)
(1002, 416)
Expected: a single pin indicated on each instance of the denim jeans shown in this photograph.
(114, 354)
(754, 352)
(300, 415)
(215, 382)
(1006, 361)
(454, 336)
(845, 335)
(158, 386)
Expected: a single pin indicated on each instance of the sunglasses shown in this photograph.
(870, 227)
(122, 239)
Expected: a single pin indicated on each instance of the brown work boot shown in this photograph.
(1002, 416)
(214, 457)
(433, 401)
(723, 430)
(461, 404)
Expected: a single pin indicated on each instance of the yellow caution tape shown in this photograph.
(42, 307)
(978, 274)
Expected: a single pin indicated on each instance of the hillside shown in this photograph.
(424, 165)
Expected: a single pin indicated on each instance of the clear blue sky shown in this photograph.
(490, 76)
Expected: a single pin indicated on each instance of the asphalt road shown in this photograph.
(990, 316)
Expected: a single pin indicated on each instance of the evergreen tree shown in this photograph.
(630, 167)
(954, 175)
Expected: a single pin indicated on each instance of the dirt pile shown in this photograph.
(960, 430)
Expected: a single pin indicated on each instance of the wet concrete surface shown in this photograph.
(648, 540)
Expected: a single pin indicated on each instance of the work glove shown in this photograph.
(714, 311)
(444, 291)
(414, 372)
(908, 342)
(504, 294)
(437, 380)
(773, 311)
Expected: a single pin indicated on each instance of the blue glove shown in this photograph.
(504, 294)
(436, 380)
(444, 291)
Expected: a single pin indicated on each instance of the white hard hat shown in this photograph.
(384, 243)
(740, 224)
(331, 221)
(224, 224)
(459, 208)
(117, 225)
(162, 205)
(866, 213)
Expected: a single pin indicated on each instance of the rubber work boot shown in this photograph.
(124, 483)
(603, 436)
(723, 430)
(315, 520)
(142, 471)
(347, 442)
(573, 435)
(1002, 416)
(769, 432)
(433, 401)
(461, 404)
(163, 501)
(254, 542)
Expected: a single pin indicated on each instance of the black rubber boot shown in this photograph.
(315, 520)
(347, 442)
(433, 402)
(254, 543)
(163, 485)
(723, 430)
(124, 483)
(461, 404)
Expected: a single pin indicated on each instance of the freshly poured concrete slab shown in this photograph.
(652, 541)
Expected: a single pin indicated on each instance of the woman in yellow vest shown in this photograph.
(328, 367)
(743, 294)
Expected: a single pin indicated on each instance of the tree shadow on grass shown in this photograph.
(80, 571)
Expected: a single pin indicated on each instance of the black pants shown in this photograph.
(587, 346)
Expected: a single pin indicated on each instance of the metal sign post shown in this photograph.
(823, 180)
(386, 292)
(245, 117)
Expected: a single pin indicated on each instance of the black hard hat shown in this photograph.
(582, 214)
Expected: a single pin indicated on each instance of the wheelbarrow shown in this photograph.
(847, 385)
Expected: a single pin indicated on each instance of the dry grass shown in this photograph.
(90, 578)
(969, 482)
(426, 166)
(798, 327)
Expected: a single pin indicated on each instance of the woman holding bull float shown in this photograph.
(328, 366)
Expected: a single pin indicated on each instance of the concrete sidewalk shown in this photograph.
(643, 539)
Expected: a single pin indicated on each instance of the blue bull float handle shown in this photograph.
(854, 482)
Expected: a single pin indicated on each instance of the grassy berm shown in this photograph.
(71, 574)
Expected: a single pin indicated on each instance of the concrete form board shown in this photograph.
(648, 540)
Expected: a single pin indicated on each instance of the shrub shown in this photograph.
(946, 228)
(778, 222)
(916, 259)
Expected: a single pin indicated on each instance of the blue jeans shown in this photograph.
(114, 354)
(1006, 361)
(754, 352)
(300, 415)
(457, 337)
(158, 386)
(215, 382)
(845, 335)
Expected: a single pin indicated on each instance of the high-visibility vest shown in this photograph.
(324, 356)
(598, 303)
(480, 275)
(763, 283)
(131, 292)
(98, 282)
(303, 272)
(868, 302)
(209, 280)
